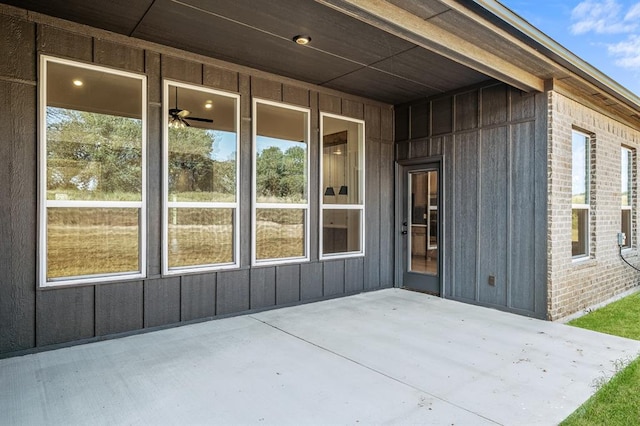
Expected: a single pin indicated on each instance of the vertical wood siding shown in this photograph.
(263, 287)
(493, 142)
(18, 189)
(32, 318)
(119, 307)
(198, 296)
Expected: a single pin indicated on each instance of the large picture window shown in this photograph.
(92, 173)
(341, 186)
(580, 204)
(280, 182)
(626, 195)
(200, 178)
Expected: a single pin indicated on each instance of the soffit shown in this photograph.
(346, 53)
(393, 51)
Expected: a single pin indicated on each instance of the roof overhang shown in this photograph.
(393, 51)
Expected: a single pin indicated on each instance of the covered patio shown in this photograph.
(390, 356)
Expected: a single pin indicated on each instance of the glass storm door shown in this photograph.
(421, 228)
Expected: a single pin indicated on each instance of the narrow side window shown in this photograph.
(626, 195)
(341, 187)
(580, 197)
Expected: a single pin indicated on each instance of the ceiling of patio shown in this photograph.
(345, 53)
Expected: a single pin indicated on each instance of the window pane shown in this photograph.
(281, 155)
(342, 161)
(280, 233)
(341, 231)
(626, 226)
(200, 236)
(202, 138)
(93, 156)
(580, 166)
(579, 231)
(94, 135)
(83, 241)
(625, 174)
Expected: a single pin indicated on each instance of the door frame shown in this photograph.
(400, 170)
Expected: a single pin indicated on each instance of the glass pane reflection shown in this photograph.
(88, 241)
(280, 233)
(200, 236)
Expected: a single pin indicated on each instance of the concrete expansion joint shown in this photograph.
(381, 373)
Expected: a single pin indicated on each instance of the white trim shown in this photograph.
(580, 207)
(587, 254)
(255, 205)
(43, 203)
(199, 205)
(166, 204)
(362, 189)
(281, 206)
(342, 207)
(95, 204)
(93, 279)
(631, 192)
(200, 268)
(588, 140)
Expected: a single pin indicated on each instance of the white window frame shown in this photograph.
(324, 206)
(167, 205)
(588, 189)
(631, 189)
(256, 205)
(44, 204)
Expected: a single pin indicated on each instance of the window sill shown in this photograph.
(278, 262)
(583, 262)
(338, 256)
(200, 269)
(629, 252)
(91, 280)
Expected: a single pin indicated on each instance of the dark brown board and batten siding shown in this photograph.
(493, 143)
(33, 318)
(18, 189)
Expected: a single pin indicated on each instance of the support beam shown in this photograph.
(401, 23)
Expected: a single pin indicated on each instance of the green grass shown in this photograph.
(620, 318)
(617, 402)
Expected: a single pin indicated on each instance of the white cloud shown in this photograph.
(627, 52)
(609, 17)
(633, 13)
(604, 17)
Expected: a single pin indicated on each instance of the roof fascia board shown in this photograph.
(561, 88)
(414, 29)
(540, 41)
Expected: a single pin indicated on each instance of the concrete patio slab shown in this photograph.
(385, 357)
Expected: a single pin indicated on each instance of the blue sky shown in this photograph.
(604, 33)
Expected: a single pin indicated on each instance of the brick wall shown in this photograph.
(576, 285)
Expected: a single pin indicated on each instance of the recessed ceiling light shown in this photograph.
(302, 39)
(77, 82)
(208, 105)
